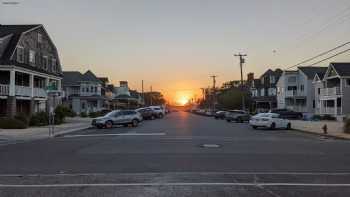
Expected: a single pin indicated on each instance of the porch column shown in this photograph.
(31, 84)
(11, 100)
(12, 88)
(335, 107)
(59, 85)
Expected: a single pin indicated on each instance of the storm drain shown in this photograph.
(210, 145)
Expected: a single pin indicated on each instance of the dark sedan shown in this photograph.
(287, 114)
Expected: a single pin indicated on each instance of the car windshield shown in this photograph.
(174, 98)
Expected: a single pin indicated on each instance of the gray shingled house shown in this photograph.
(29, 63)
(83, 92)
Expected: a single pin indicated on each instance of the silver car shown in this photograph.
(118, 117)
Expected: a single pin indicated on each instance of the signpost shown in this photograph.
(53, 93)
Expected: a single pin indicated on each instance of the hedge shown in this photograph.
(12, 123)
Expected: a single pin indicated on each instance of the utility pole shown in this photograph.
(143, 94)
(241, 62)
(151, 96)
(214, 92)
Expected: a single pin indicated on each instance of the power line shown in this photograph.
(342, 52)
(319, 55)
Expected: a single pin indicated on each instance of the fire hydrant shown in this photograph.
(325, 129)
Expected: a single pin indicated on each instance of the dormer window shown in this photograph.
(32, 56)
(20, 54)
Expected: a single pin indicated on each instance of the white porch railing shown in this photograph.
(39, 92)
(330, 110)
(23, 91)
(4, 89)
(291, 93)
(330, 91)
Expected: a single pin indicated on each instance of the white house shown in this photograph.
(295, 89)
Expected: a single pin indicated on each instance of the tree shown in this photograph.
(154, 98)
(232, 98)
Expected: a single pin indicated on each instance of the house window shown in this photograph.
(20, 54)
(32, 56)
(53, 62)
(318, 91)
(292, 79)
(348, 82)
(313, 104)
(301, 87)
(272, 79)
(96, 89)
(45, 62)
(262, 80)
(262, 92)
(40, 38)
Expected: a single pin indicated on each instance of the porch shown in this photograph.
(331, 107)
(24, 84)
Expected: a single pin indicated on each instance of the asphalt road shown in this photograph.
(180, 155)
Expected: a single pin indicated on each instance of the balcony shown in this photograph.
(39, 92)
(4, 89)
(23, 91)
(331, 91)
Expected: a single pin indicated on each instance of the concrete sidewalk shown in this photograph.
(12, 136)
(335, 128)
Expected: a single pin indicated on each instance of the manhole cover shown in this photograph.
(210, 145)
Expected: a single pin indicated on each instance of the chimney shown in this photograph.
(250, 76)
(123, 83)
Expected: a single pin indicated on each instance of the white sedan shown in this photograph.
(269, 120)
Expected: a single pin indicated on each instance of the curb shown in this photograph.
(321, 134)
(70, 131)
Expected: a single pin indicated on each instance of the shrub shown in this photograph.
(97, 114)
(83, 114)
(22, 117)
(328, 117)
(12, 123)
(39, 119)
(60, 114)
(347, 125)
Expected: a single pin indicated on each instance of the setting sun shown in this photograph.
(183, 100)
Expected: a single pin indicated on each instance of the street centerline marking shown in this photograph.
(116, 134)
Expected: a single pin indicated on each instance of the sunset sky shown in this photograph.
(176, 45)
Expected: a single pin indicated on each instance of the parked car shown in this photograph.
(269, 120)
(158, 111)
(147, 113)
(287, 114)
(118, 117)
(220, 115)
(237, 115)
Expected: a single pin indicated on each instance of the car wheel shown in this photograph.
(160, 115)
(109, 124)
(228, 120)
(99, 126)
(289, 126)
(152, 117)
(135, 123)
(273, 126)
(254, 127)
